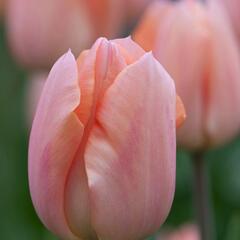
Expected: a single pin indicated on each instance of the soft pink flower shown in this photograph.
(40, 31)
(186, 232)
(102, 145)
(233, 9)
(136, 7)
(194, 42)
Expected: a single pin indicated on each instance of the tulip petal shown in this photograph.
(129, 49)
(224, 86)
(130, 155)
(98, 68)
(54, 140)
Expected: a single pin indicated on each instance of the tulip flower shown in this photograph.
(194, 42)
(41, 31)
(185, 232)
(136, 7)
(102, 144)
(233, 9)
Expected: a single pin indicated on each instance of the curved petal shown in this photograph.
(54, 140)
(129, 49)
(130, 155)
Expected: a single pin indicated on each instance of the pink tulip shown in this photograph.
(186, 232)
(136, 7)
(102, 145)
(40, 31)
(233, 9)
(194, 42)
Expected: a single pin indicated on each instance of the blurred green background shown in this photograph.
(17, 217)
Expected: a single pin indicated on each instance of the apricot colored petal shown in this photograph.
(223, 117)
(129, 49)
(98, 68)
(54, 140)
(130, 155)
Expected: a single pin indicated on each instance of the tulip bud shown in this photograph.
(194, 42)
(41, 31)
(102, 145)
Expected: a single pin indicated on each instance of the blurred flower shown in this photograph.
(186, 232)
(34, 89)
(102, 145)
(136, 7)
(194, 41)
(40, 31)
(233, 9)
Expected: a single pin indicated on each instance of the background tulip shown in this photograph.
(40, 31)
(102, 145)
(233, 9)
(136, 7)
(194, 42)
(185, 232)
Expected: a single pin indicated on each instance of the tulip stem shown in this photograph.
(202, 197)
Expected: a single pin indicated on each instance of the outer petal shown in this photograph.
(223, 115)
(130, 155)
(55, 137)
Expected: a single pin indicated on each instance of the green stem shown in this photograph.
(202, 197)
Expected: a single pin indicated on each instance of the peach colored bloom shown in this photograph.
(194, 42)
(102, 145)
(185, 232)
(233, 9)
(136, 7)
(41, 31)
